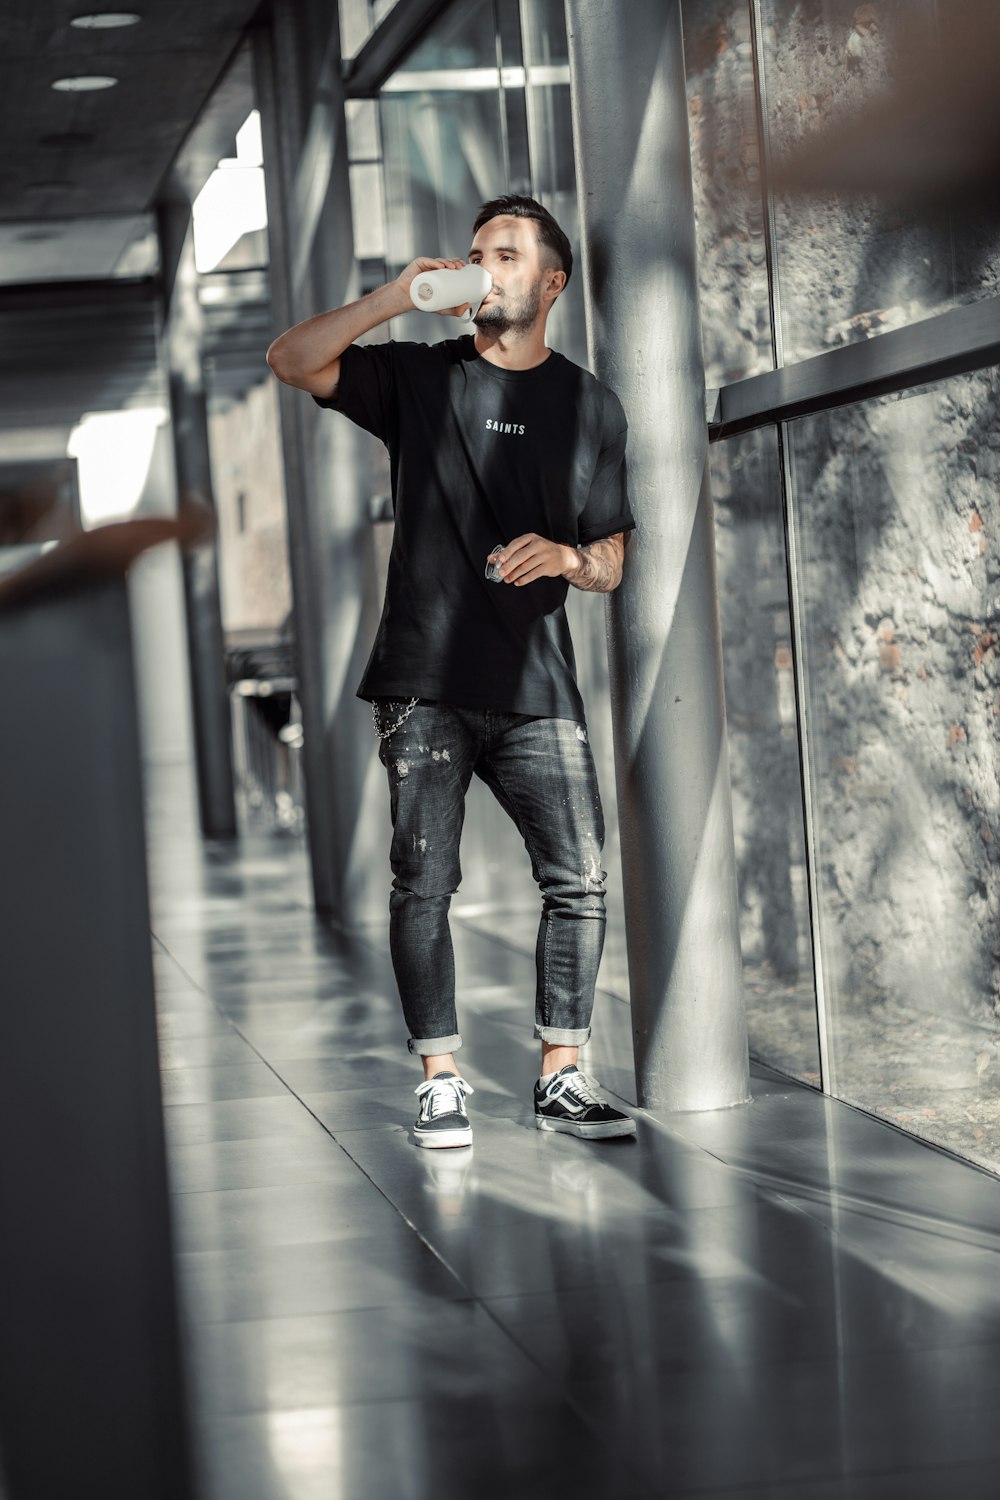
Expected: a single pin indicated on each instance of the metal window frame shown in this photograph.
(950, 343)
(389, 44)
(791, 544)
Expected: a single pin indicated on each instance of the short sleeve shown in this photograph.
(607, 509)
(366, 391)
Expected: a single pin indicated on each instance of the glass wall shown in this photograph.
(764, 753)
(896, 516)
(847, 139)
(725, 157)
(444, 145)
(881, 96)
(480, 107)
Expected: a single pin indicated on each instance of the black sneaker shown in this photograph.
(442, 1120)
(571, 1103)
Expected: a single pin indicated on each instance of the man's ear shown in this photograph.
(557, 280)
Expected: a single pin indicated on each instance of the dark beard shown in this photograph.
(510, 316)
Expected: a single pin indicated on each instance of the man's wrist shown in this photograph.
(573, 563)
(396, 299)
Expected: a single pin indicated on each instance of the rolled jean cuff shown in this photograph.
(560, 1036)
(434, 1046)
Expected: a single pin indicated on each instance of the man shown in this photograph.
(508, 482)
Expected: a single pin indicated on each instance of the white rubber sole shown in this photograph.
(440, 1139)
(603, 1130)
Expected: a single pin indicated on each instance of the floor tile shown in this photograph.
(208, 1166)
(205, 1051)
(795, 1421)
(372, 1354)
(386, 1269)
(187, 1024)
(237, 1119)
(203, 1085)
(953, 1482)
(480, 1448)
(329, 1074)
(286, 1214)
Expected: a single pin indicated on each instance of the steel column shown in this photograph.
(672, 765)
(192, 459)
(327, 463)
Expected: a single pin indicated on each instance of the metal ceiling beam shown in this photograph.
(125, 291)
(952, 343)
(391, 41)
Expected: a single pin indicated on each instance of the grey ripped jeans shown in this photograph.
(542, 773)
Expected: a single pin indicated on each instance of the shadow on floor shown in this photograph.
(789, 1299)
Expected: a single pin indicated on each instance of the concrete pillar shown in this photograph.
(664, 638)
(327, 463)
(189, 425)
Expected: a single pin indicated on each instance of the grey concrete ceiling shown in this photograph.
(106, 152)
(79, 174)
(75, 347)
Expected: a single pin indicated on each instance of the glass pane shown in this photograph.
(897, 514)
(366, 210)
(550, 145)
(464, 40)
(443, 148)
(850, 76)
(362, 129)
(725, 161)
(249, 490)
(764, 754)
(358, 19)
(355, 25)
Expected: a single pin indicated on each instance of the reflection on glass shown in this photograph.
(897, 520)
(764, 754)
(362, 129)
(550, 146)
(366, 210)
(249, 490)
(851, 267)
(358, 19)
(443, 150)
(732, 271)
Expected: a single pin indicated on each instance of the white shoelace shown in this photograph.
(442, 1096)
(583, 1087)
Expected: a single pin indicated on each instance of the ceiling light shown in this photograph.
(54, 185)
(84, 83)
(105, 20)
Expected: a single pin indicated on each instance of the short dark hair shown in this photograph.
(517, 206)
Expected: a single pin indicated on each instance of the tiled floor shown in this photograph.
(786, 1300)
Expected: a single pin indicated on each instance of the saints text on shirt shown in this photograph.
(515, 427)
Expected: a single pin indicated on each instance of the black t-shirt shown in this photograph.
(479, 456)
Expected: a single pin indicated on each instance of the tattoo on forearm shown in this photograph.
(601, 566)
